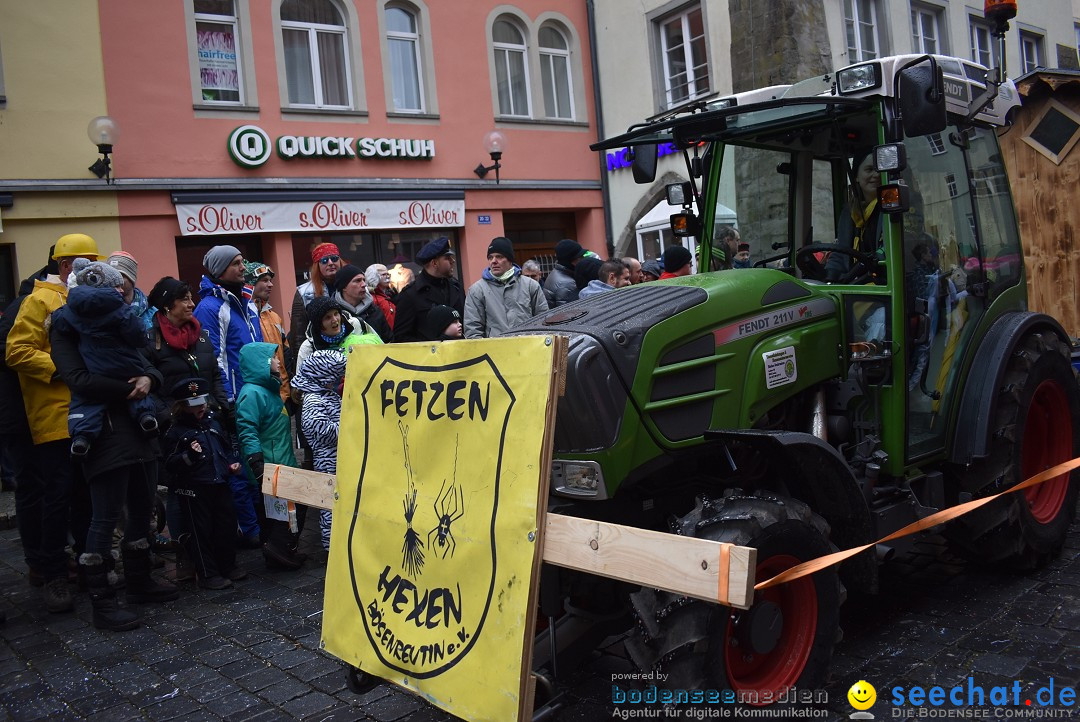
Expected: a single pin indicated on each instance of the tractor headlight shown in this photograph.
(890, 157)
(858, 78)
(578, 478)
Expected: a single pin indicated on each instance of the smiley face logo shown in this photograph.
(862, 695)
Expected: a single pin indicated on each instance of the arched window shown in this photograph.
(403, 42)
(316, 54)
(511, 69)
(555, 70)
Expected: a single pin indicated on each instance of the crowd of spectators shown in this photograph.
(109, 393)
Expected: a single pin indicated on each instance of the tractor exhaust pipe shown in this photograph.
(818, 420)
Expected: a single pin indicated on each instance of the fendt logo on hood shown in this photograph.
(424, 601)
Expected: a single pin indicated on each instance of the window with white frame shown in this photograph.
(555, 71)
(860, 28)
(316, 54)
(511, 68)
(950, 184)
(1031, 51)
(685, 56)
(983, 50)
(937, 145)
(403, 44)
(217, 46)
(926, 35)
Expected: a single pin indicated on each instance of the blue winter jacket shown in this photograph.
(230, 323)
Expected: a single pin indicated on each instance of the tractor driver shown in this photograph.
(860, 220)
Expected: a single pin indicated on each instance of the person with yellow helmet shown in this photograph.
(42, 503)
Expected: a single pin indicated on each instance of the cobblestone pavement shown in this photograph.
(252, 652)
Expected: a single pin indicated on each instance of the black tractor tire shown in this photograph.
(1037, 425)
(784, 640)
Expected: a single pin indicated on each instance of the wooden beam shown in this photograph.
(678, 564)
(311, 488)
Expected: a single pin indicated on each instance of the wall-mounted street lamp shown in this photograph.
(494, 144)
(103, 133)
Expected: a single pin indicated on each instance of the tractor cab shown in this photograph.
(880, 186)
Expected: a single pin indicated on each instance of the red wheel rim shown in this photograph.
(778, 670)
(1048, 440)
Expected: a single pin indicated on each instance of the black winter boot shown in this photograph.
(141, 587)
(107, 613)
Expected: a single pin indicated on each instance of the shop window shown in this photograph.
(927, 35)
(218, 42)
(555, 69)
(403, 47)
(7, 274)
(219, 53)
(511, 68)
(316, 54)
(1054, 131)
(1031, 51)
(861, 30)
(684, 56)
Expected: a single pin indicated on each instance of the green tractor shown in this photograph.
(878, 365)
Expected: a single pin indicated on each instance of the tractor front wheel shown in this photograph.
(784, 640)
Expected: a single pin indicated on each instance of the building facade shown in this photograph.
(275, 125)
(47, 98)
(684, 52)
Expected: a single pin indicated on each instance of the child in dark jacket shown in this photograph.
(111, 342)
(199, 459)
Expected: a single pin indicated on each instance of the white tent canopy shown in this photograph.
(654, 230)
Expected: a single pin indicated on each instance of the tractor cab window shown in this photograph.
(995, 221)
(940, 267)
(757, 203)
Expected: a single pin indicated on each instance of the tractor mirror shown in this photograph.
(921, 96)
(644, 163)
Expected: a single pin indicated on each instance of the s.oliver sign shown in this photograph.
(212, 219)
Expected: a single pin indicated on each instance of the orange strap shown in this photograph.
(273, 483)
(816, 565)
(722, 581)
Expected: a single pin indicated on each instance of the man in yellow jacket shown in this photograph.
(42, 502)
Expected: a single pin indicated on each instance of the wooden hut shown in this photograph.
(1043, 163)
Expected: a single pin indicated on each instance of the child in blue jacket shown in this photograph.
(111, 342)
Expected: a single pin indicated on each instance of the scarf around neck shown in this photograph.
(181, 338)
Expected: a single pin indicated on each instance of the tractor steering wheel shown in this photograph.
(862, 271)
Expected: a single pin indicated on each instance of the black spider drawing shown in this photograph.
(449, 507)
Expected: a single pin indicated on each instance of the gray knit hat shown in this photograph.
(96, 274)
(125, 263)
(218, 258)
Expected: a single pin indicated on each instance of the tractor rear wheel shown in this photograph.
(784, 640)
(1036, 427)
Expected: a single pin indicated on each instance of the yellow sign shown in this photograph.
(434, 541)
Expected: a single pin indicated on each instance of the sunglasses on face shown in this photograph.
(329, 259)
